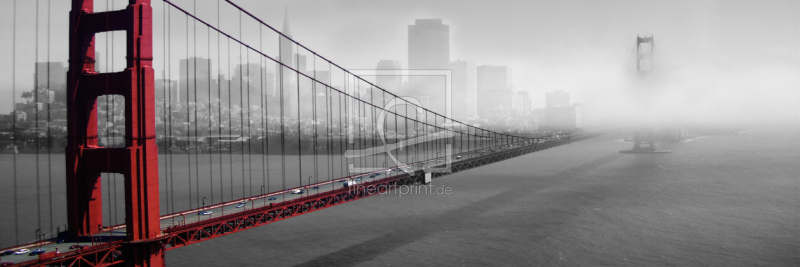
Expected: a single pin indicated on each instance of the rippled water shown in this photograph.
(714, 201)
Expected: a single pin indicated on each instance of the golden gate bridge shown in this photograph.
(293, 139)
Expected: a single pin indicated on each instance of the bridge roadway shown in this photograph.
(114, 234)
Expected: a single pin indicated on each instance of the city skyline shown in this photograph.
(588, 57)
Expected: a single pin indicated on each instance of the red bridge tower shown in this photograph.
(138, 160)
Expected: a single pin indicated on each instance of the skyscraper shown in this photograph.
(521, 102)
(301, 63)
(288, 80)
(559, 114)
(464, 94)
(390, 78)
(52, 76)
(428, 44)
(248, 83)
(194, 78)
(557, 98)
(428, 49)
(494, 89)
(166, 90)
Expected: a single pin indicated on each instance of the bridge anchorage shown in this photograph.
(338, 113)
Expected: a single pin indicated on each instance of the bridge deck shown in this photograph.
(111, 238)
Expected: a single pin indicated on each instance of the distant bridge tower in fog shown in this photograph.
(645, 137)
(645, 48)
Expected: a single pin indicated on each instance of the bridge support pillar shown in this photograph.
(144, 254)
(138, 160)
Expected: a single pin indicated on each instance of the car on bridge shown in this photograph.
(37, 252)
(240, 205)
(205, 212)
(76, 247)
(298, 191)
(7, 252)
(22, 251)
(272, 198)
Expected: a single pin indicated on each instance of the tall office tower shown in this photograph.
(557, 98)
(559, 114)
(323, 76)
(269, 84)
(271, 101)
(464, 94)
(494, 90)
(194, 78)
(301, 63)
(248, 85)
(165, 90)
(521, 102)
(52, 76)
(428, 44)
(288, 78)
(389, 78)
(428, 49)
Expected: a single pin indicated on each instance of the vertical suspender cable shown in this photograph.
(249, 129)
(241, 102)
(264, 112)
(193, 141)
(383, 100)
(230, 118)
(299, 133)
(357, 117)
(113, 194)
(166, 102)
(283, 130)
(36, 119)
(328, 132)
(168, 112)
(14, 119)
(49, 134)
(208, 110)
(361, 113)
(187, 139)
(342, 140)
(219, 107)
(106, 143)
(228, 124)
(165, 112)
(372, 129)
(314, 119)
(329, 118)
(249, 125)
(347, 125)
(113, 199)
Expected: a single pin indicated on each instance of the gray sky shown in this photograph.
(731, 51)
